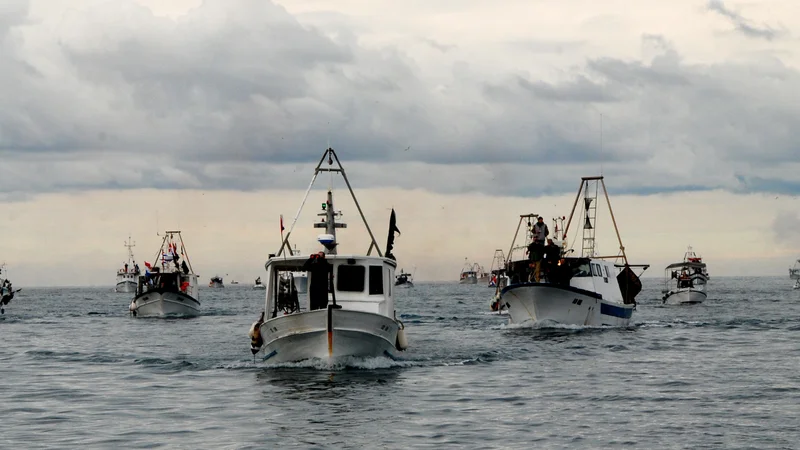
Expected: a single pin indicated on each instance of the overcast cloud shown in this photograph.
(243, 94)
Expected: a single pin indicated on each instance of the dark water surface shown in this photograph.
(77, 371)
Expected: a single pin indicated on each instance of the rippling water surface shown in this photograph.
(77, 371)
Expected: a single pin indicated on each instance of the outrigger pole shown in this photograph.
(331, 154)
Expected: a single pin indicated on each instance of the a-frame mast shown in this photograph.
(330, 215)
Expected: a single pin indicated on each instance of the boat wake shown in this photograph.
(347, 363)
(550, 325)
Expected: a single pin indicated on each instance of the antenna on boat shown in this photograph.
(130, 245)
(601, 145)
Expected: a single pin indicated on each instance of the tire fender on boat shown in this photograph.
(256, 341)
(402, 342)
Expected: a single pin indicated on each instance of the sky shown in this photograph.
(133, 116)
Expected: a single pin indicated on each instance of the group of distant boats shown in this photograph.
(329, 305)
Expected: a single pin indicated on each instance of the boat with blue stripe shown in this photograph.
(548, 285)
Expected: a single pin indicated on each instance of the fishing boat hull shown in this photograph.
(259, 287)
(159, 304)
(468, 280)
(536, 302)
(328, 334)
(125, 286)
(684, 297)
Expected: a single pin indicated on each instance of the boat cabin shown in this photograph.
(167, 282)
(594, 275)
(688, 274)
(358, 283)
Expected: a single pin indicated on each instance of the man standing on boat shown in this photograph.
(540, 231)
(536, 248)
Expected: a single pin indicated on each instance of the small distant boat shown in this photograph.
(551, 287)
(129, 273)
(471, 273)
(6, 290)
(794, 274)
(497, 271)
(172, 288)
(258, 284)
(689, 280)
(404, 279)
(216, 282)
(349, 310)
(234, 282)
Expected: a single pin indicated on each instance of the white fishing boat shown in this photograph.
(497, 271)
(470, 273)
(404, 279)
(216, 282)
(551, 287)
(7, 290)
(349, 308)
(794, 274)
(518, 252)
(685, 282)
(258, 285)
(128, 274)
(170, 288)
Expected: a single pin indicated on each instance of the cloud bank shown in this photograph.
(244, 94)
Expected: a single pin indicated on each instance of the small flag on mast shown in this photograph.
(282, 228)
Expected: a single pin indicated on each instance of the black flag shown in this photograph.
(390, 240)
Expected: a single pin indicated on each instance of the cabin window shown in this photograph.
(595, 271)
(583, 270)
(350, 278)
(375, 280)
(606, 268)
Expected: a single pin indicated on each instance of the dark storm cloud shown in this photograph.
(239, 95)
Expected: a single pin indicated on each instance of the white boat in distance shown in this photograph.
(404, 279)
(349, 308)
(172, 288)
(585, 290)
(258, 284)
(688, 280)
(472, 273)
(497, 271)
(128, 275)
(794, 274)
(216, 282)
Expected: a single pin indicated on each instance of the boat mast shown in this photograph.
(130, 252)
(330, 223)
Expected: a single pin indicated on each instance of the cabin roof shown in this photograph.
(299, 260)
